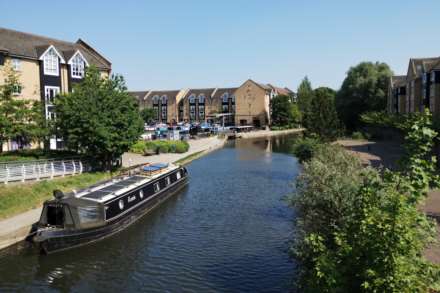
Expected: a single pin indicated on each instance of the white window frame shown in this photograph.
(156, 187)
(78, 65)
(59, 59)
(16, 90)
(16, 64)
(47, 102)
(178, 175)
(168, 180)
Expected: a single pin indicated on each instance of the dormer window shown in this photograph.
(201, 99)
(156, 100)
(164, 100)
(225, 98)
(77, 66)
(50, 61)
(192, 99)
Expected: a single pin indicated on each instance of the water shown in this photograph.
(227, 231)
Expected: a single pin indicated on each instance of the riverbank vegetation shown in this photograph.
(18, 198)
(99, 118)
(285, 113)
(360, 229)
(159, 146)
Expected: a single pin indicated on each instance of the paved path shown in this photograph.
(195, 146)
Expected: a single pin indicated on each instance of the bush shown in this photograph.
(359, 230)
(304, 148)
(159, 146)
(357, 135)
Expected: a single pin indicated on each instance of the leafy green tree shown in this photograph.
(323, 119)
(99, 118)
(284, 112)
(360, 230)
(148, 114)
(304, 98)
(20, 120)
(363, 90)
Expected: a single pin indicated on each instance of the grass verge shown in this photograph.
(187, 159)
(18, 198)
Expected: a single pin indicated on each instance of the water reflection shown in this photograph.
(228, 231)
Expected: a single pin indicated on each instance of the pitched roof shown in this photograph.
(220, 91)
(421, 65)
(172, 93)
(281, 91)
(398, 80)
(31, 46)
(207, 92)
(139, 95)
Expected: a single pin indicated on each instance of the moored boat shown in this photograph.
(82, 217)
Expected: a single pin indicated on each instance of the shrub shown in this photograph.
(304, 148)
(357, 135)
(160, 146)
(359, 230)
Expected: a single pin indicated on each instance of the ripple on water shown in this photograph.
(228, 231)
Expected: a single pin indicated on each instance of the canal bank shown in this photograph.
(17, 228)
(227, 231)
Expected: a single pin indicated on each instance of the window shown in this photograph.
(156, 100)
(201, 112)
(121, 204)
(192, 99)
(178, 175)
(433, 76)
(77, 66)
(163, 109)
(16, 64)
(141, 194)
(168, 181)
(225, 108)
(233, 99)
(16, 90)
(50, 92)
(50, 61)
(225, 98)
(202, 99)
(164, 100)
(156, 187)
(192, 112)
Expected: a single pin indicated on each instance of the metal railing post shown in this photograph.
(64, 168)
(52, 169)
(23, 173)
(7, 175)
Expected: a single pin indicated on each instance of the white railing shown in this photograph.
(44, 169)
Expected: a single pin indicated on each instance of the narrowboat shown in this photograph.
(85, 216)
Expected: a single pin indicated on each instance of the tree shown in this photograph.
(363, 90)
(284, 112)
(20, 120)
(323, 119)
(99, 118)
(304, 98)
(361, 230)
(148, 114)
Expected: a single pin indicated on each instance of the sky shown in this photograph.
(193, 43)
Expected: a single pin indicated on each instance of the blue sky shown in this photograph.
(193, 43)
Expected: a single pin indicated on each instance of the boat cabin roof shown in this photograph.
(113, 188)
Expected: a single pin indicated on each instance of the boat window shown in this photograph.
(55, 215)
(178, 175)
(121, 204)
(156, 187)
(168, 180)
(88, 214)
(141, 194)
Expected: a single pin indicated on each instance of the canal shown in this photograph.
(227, 231)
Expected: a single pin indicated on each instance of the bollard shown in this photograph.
(23, 173)
(74, 167)
(64, 168)
(52, 170)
